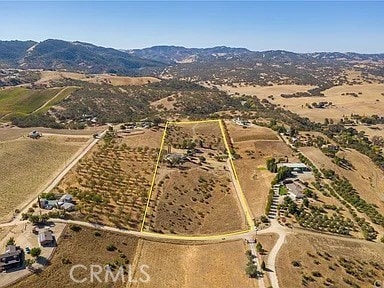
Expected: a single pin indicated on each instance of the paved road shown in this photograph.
(271, 261)
(252, 248)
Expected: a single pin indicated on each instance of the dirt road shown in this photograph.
(53, 98)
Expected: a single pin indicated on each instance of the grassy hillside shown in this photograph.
(23, 101)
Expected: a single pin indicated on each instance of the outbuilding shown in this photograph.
(46, 238)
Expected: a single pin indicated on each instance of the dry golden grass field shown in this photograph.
(189, 266)
(369, 100)
(84, 247)
(321, 261)
(260, 144)
(111, 183)
(262, 92)
(27, 165)
(198, 196)
(165, 104)
(49, 76)
(370, 131)
(267, 241)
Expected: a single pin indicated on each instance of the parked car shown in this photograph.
(27, 250)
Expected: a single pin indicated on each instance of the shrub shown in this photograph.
(75, 228)
(35, 252)
(11, 241)
(296, 263)
(111, 247)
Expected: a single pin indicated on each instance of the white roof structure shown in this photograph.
(293, 165)
(68, 206)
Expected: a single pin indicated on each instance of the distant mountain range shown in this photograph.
(72, 56)
(179, 54)
(85, 57)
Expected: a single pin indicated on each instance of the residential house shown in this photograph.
(295, 190)
(296, 167)
(12, 258)
(68, 207)
(66, 198)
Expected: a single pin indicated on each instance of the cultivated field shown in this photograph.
(74, 249)
(49, 76)
(23, 101)
(255, 145)
(188, 266)
(111, 182)
(195, 194)
(28, 165)
(319, 261)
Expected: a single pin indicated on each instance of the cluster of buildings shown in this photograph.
(13, 257)
(296, 167)
(294, 186)
(65, 202)
(241, 122)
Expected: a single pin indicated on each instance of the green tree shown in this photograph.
(35, 252)
(11, 241)
(29, 263)
(263, 266)
(251, 270)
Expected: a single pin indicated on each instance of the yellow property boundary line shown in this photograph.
(242, 199)
(154, 176)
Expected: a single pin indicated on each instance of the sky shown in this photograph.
(306, 26)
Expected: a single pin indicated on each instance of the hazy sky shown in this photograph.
(296, 26)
